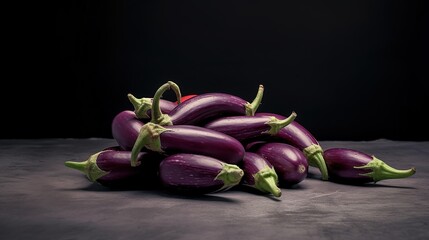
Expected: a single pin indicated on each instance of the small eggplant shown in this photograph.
(201, 108)
(125, 129)
(111, 168)
(289, 162)
(356, 167)
(298, 136)
(260, 174)
(198, 174)
(187, 139)
(246, 128)
(143, 106)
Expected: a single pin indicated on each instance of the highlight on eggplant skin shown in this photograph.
(289, 162)
(259, 174)
(198, 174)
(111, 168)
(351, 166)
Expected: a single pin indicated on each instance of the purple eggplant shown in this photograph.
(198, 174)
(298, 136)
(289, 162)
(126, 128)
(111, 168)
(246, 128)
(259, 174)
(356, 167)
(204, 107)
(143, 106)
(187, 139)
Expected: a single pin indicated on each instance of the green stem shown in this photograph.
(382, 171)
(141, 106)
(251, 108)
(157, 116)
(149, 137)
(88, 167)
(314, 155)
(266, 180)
(176, 90)
(276, 124)
(230, 175)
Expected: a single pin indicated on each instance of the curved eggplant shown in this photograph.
(198, 174)
(187, 139)
(289, 162)
(260, 174)
(111, 168)
(201, 108)
(356, 167)
(298, 136)
(126, 128)
(246, 128)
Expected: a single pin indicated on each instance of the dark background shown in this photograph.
(352, 70)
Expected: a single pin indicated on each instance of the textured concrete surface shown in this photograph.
(42, 199)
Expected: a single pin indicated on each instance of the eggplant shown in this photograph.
(187, 139)
(198, 174)
(201, 108)
(143, 106)
(249, 128)
(126, 128)
(298, 136)
(356, 167)
(111, 168)
(259, 174)
(289, 162)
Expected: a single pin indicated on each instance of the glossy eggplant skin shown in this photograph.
(289, 162)
(204, 107)
(111, 168)
(294, 133)
(356, 167)
(199, 140)
(242, 128)
(197, 174)
(125, 129)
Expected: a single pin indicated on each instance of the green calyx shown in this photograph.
(141, 106)
(266, 180)
(314, 155)
(251, 108)
(88, 167)
(230, 175)
(149, 137)
(381, 171)
(157, 116)
(276, 124)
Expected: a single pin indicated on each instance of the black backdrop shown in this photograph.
(352, 70)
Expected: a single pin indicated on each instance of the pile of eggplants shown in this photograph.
(213, 142)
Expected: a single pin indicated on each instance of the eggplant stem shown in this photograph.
(276, 124)
(157, 116)
(88, 167)
(230, 175)
(266, 180)
(176, 90)
(251, 108)
(141, 106)
(382, 171)
(150, 138)
(314, 155)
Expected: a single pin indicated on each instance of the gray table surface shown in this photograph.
(40, 198)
